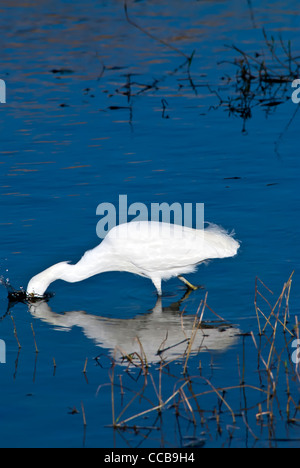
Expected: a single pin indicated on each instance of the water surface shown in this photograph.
(96, 108)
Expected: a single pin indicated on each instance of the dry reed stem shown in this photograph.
(157, 392)
(145, 364)
(83, 414)
(196, 326)
(279, 302)
(297, 335)
(233, 387)
(255, 304)
(286, 290)
(138, 394)
(185, 400)
(112, 378)
(15, 333)
(155, 408)
(36, 348)
(221, 398)
(263, 361)
(161, 347)
(273, 342)
(179, 395)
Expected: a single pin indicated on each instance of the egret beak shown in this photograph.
(22, 296)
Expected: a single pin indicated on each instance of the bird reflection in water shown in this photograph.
(163, 333)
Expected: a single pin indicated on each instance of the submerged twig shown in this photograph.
(282, 134)
(15, 332)
(161, 41)
(33, 332)
(262, 80)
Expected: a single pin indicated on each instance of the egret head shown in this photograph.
(39, 284)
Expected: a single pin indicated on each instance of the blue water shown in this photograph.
(69, 142)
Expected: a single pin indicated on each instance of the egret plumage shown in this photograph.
(155, 250)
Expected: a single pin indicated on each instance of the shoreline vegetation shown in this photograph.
(260, 404)
(274, 396)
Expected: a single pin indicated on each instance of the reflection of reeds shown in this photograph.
(155, 38)
(262, 78)
(35, 345)
(133, 88)
(274, 397)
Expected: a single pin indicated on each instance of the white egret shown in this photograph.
(158, 251)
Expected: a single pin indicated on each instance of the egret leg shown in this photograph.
(186, 295)
(157, 284)
(189, 285)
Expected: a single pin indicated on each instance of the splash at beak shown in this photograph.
(22, 296)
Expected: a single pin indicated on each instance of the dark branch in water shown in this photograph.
(189, 59)
(278, 141)
(161, 41)
(262, 79)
